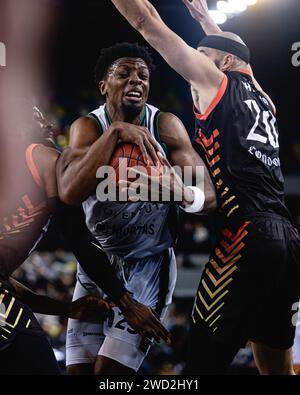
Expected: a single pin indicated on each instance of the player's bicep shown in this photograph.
(83, 133)
(174, 134)
(45, 159)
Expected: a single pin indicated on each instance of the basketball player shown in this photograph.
(137, 237)
(251, 281)
(32, 200)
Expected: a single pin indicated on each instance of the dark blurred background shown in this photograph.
(84, 27)
(269, 28)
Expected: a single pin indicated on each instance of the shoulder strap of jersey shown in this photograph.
(96, 119)
(157, 134)
(32, 166)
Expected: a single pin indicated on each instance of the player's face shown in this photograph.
(41, 121)
(127, 84)
(213, 55)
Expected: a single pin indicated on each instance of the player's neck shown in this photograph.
(118, 114)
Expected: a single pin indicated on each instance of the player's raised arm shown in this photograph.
(89, 308)
(192, 65)
(199, 11)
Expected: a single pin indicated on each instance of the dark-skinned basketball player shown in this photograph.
(29, 201)
(137, 237)
(251, 282)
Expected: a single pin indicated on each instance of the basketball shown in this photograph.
(128, 155)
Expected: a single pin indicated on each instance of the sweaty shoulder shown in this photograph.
(171, 130)
(84, 132)
(45, 159)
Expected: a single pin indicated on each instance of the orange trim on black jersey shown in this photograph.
(246, 71)
(32, 166)
(215, 102)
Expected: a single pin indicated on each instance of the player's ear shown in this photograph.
(102, 87)
(227, 62)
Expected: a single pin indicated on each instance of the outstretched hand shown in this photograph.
(198, 9)
(143, 319)
(89, 309)
(145, 322)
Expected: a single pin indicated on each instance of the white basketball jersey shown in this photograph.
(131, 230)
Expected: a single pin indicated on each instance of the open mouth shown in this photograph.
(134, 95)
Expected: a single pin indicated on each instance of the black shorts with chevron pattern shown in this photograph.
(250, 288)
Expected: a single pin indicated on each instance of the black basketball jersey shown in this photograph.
(238, 139)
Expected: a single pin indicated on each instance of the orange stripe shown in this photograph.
(215, 148)
(214, 161)
(227, 234)
(32, 166)
(207, 142)
(219, 289)
(221, 270)
(232, 237)
(216, 172)
(246, 71)
(241, 230)
(215, 102)
(216, 133)
(232, 255)
(217, 282)
(229, 247)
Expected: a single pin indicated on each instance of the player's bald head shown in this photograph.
(231, 36)
(226, 49)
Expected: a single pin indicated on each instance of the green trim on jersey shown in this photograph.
(95, 118)
(143, 119)
(157, 134)
(107, 116)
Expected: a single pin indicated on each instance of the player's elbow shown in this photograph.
(67, 184)
(144, 22)
(68, 195)
(68, 191)
(139, 23)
